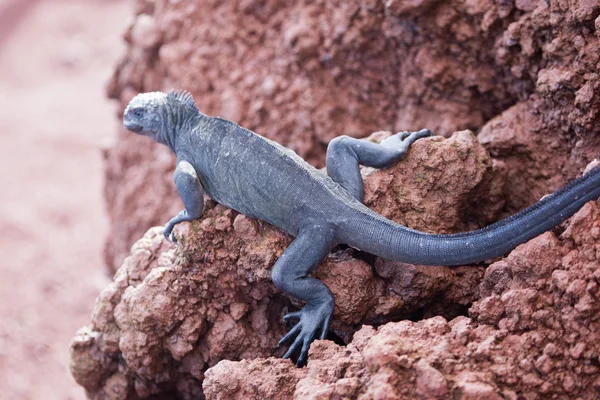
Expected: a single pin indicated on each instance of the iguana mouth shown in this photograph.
(132, 126)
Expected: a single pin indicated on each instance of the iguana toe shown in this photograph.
(314, 320)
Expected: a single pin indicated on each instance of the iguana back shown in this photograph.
(262, 179)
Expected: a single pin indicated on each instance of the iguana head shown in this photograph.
(159, 115)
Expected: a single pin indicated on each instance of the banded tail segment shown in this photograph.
(375, 234)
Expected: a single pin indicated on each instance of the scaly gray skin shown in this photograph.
(264, 180)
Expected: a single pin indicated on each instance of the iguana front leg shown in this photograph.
(192, 194)
(289, 274)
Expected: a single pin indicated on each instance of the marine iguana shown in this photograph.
(264, 180)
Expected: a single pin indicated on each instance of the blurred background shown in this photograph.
(523, 75)
(55, 59)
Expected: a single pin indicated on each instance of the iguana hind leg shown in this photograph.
(345, 154)
(289, 274)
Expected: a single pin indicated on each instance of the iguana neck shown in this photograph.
(176, 122)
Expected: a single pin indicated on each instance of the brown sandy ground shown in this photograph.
(55, 57)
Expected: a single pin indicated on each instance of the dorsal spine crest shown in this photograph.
(183, 97)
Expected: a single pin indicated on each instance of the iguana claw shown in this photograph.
(169, 234)
(313, 319)
(405, 138)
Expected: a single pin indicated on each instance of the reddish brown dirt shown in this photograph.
(55, 57)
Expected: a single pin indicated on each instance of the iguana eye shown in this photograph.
(138, 112)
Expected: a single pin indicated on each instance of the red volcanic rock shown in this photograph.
(170, 313)
(412, 195)
(534, 336)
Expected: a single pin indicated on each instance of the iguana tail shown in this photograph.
(370, 232)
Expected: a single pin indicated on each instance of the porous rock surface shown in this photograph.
(170, 313)
(522, 74)
(533, 334)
